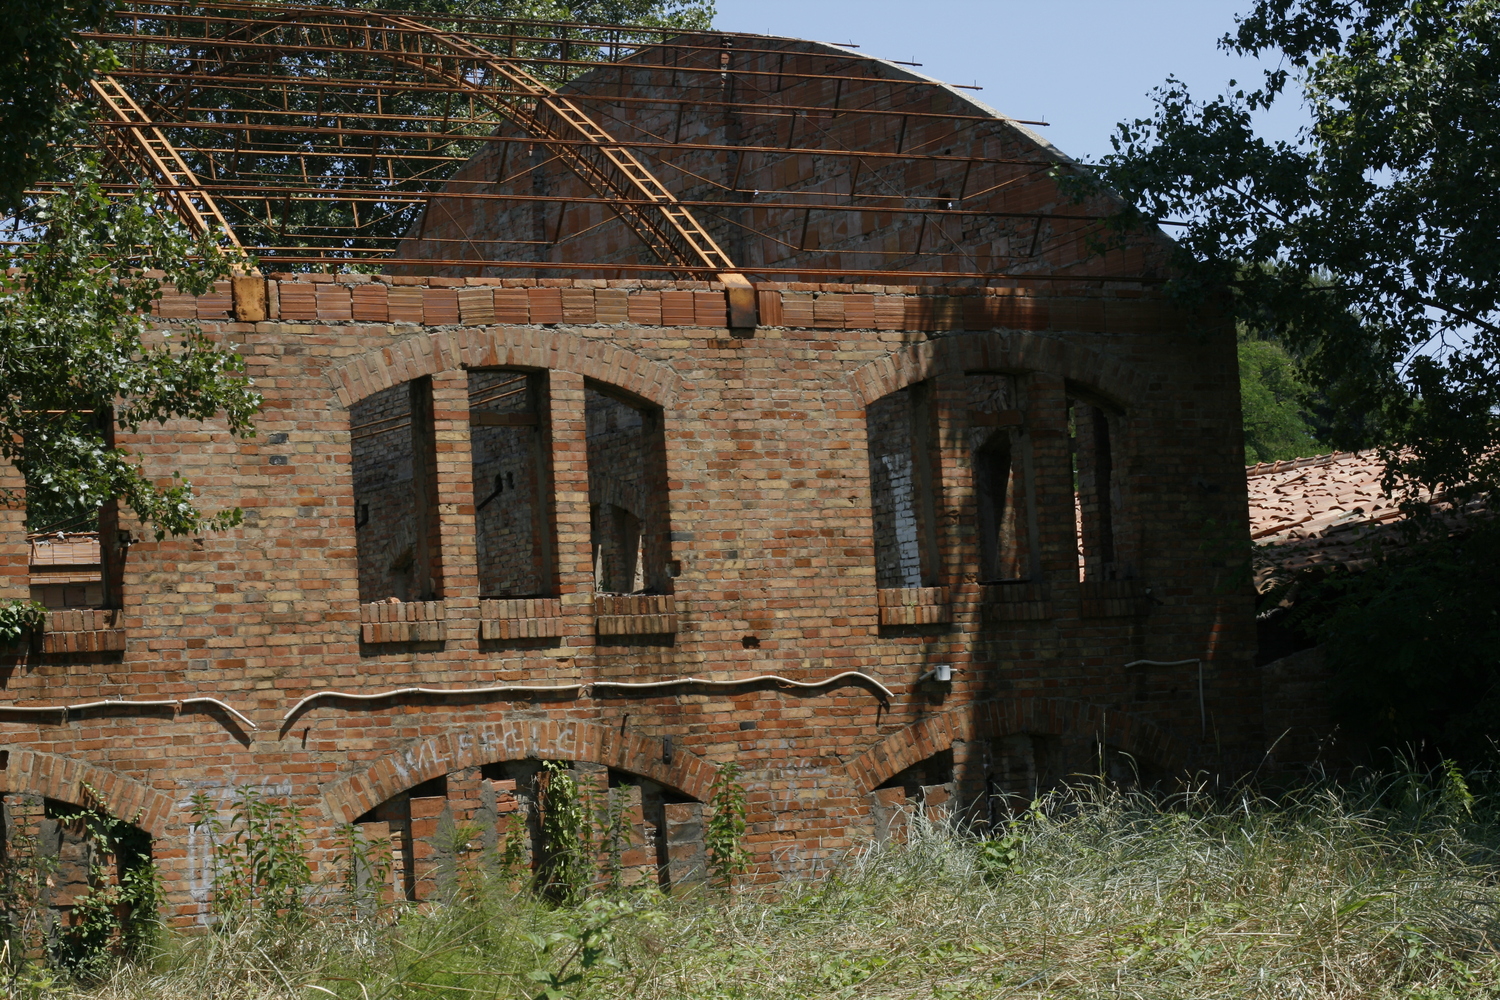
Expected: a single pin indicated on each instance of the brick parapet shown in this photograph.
(1080, 306)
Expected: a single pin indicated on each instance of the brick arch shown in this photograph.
(358, 793)
(1009, 716)
(476, 347)
(1007, 350)
(63, 778)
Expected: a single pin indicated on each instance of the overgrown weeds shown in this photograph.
(1383, 890)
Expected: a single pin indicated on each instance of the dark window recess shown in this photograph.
(628, 513)
(1000, 454)
(902, 497)
(1094, 491)
(395, 492)
(512, 483)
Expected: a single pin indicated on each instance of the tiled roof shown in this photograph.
(1322, 511)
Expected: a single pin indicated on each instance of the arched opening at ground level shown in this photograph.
(77, 884)
(500, 818)
(980, 764)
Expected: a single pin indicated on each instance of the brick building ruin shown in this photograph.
(873, 477)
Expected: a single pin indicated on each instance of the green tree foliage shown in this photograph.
(1379, 220)
(42, 66)
(1274, 399)
(1414, 641)
(79, 355)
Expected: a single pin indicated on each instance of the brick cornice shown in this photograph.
(1011, 716)
(546, 739)
(1005, 350)
(431, 353)
(63, 778)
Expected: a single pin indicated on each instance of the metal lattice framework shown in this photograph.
(324, 136)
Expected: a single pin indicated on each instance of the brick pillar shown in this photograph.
(570, 492)
(1052, 484)
(382, 851)
(428, 850)
(955, 488)
(638, 857)
(686, 859)
(15, 552)
(889, 808)
(455, 503)
(466, 796)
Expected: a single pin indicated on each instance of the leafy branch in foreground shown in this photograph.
(1367, 245)
(17, 618)
(80, 355)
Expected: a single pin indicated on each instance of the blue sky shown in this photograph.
(1082, 65)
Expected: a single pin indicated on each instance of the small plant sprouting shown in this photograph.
(514, 864)
(724, 832)
(583, 944)
(365, 867)
(567, 868)
(614, 834)
(1000, 855)
(259, 857)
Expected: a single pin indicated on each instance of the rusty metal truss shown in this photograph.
(321, 136)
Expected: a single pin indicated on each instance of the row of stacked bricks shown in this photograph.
(478, 302)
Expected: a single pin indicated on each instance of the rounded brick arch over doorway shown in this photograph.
(503, 347)
(1011, 716)
(1011, 350)
(357, 793)
(63, 778)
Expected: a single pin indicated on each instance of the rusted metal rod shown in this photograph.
(336, 131)
(414, 197)
(259, 83)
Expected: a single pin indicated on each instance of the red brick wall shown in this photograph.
(767, 504)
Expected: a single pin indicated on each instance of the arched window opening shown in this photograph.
(1095, 492)
(395, 491)
(902, 500)
(512, 482)
(628, 513)
(72, 864)
(1018, 769)
(641, 832)
(924, 789)
(1001, 461)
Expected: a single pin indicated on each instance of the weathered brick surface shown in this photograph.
(767, 565)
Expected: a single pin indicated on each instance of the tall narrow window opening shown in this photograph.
(512, 484)
(628, 514)
(1094, 491)
(1001, 461)
(77, 555)
(902, 501)
(395, 489)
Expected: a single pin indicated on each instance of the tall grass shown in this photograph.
(1389, 890)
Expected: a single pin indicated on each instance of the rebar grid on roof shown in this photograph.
(317, 136)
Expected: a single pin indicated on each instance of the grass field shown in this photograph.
(1386, 890)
